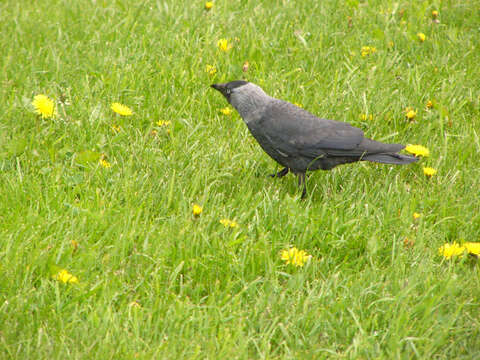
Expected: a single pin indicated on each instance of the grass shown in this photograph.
(155, 282)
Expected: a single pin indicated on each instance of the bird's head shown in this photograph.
(230, 89)
(242, 95)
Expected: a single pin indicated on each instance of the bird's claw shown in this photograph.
(281, 173)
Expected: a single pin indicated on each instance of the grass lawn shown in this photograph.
(101, 255)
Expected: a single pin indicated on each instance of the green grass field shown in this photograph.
(156, 282)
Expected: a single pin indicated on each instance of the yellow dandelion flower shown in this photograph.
(226, 111)
(429, 104)
(229, 223)
(104, 163)
(74, 244)
(163, 123)
(366, 117)
(450, 250)
(245, 66)
(298, 104)
(208, 5)
(116, 128)
(416, 215)
(472, 248)
(421, 37)
(367, 50)
(224, 45)
(197, 210)
(121, 109)
(44, 106)
(435, 14)
(65, 277)
(417, 150)
(429, 172)
(295, 257)
(410, 113)
(210, 70)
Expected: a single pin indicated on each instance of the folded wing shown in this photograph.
(297, 132)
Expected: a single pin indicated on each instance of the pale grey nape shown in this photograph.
(249, 100)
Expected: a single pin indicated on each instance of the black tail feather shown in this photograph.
(391, 158)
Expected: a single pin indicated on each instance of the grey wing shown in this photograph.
(295, 131)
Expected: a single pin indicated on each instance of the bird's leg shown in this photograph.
(301, 181)
(281, 173)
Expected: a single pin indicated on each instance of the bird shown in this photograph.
(300, 141)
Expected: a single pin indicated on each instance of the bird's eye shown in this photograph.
(228, 91)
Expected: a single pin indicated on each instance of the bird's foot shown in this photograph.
(302, 182)
(304, 193)
(280, 174)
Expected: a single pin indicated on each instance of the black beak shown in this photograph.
(219, 87)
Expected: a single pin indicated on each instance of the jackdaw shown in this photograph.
(300, 141)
